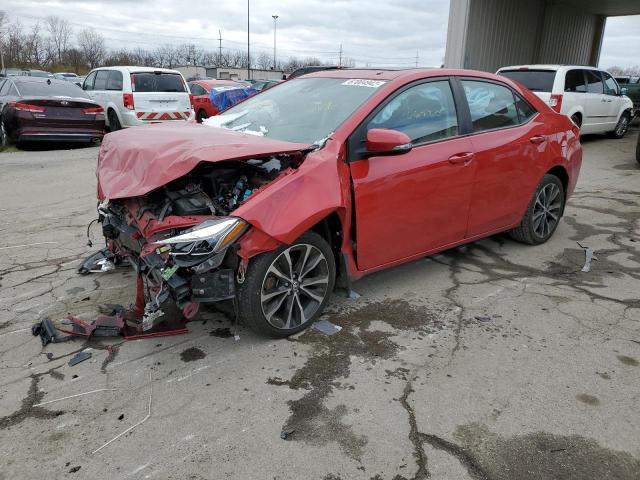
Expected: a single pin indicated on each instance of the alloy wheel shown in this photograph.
(295, 286)
(622, 127)
(546, 211)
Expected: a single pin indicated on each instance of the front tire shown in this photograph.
(543, 213)
(286, 290)
(622, 126)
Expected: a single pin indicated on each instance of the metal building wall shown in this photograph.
(570, 36)
(501, 32)
(489, 34)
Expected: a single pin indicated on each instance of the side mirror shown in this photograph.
(623, 91)
(383, 141)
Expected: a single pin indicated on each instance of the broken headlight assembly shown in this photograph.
(204, 241)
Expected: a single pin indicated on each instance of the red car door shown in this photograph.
(508, 143)
(417, 202)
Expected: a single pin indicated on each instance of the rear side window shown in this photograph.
(54, 87)
(157, 82)
(492, 106)
(594, 82)
(525, 111)
(574, 81)
(534, 80)
(425, 112)
(88, 82)
(197, 89)
(114, 81)
(101, 80)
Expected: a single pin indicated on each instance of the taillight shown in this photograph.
(92, 110)
(26, 107)
(191, 100)
(127, 100)
(555, 102)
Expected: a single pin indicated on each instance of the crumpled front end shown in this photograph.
(182, 238)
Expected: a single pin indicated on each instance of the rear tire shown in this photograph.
(622, 126)
(114, 123)
(286, 290)
(543, 213)
(201, 116)
(4, 137)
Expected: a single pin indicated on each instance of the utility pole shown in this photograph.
(275, 17)
(340, 63)
(220, 47)
(416, 58)
(248, 51)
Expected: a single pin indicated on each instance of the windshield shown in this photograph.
(534, 80)
(304, 110)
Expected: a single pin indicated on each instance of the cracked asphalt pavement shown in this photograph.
(491, 361)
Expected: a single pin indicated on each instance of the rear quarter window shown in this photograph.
(534, 80)
(157, 82)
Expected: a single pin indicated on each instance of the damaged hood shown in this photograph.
(137, 160)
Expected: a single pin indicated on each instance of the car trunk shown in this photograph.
(63, 113)
(159, 96)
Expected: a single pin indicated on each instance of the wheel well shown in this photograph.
(562, 174)
(579, 115)
(330, 228)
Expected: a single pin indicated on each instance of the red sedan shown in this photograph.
(326, 178)
(201, 90)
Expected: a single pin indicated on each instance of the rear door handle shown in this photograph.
(537, 139)
(461, 158)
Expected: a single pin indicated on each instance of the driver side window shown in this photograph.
(425, 112)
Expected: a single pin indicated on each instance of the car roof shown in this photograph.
(548, 67)
(134, 69)
(389, 74)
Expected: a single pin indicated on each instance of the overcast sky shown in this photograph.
(388, 33)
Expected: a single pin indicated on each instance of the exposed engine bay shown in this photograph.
(180, 237)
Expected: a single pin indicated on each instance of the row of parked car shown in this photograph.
(53, 107)
(36, 105)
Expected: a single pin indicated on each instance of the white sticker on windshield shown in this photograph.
(359, 82)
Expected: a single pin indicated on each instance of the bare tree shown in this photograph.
(34, 46)
(93, 47)
(264, 61)
(3, 22)
(60, 34)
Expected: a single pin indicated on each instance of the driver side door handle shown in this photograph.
(462, 158)
(537, 139)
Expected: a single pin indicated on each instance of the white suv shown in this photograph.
(590, 97)
(138, 95)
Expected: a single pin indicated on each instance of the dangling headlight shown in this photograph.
(201, 242)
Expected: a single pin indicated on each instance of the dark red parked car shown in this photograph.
(201, 102)
(33, 108)
(326, 178)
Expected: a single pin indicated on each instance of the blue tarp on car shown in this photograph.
(227, 96)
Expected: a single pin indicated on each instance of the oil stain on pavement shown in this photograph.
(192, 354)
(330, 360)
(538, 456)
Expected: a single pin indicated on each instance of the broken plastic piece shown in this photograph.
(326, 327)
(589, 256)
(47, 331)
(102, 261)
(79, 357)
